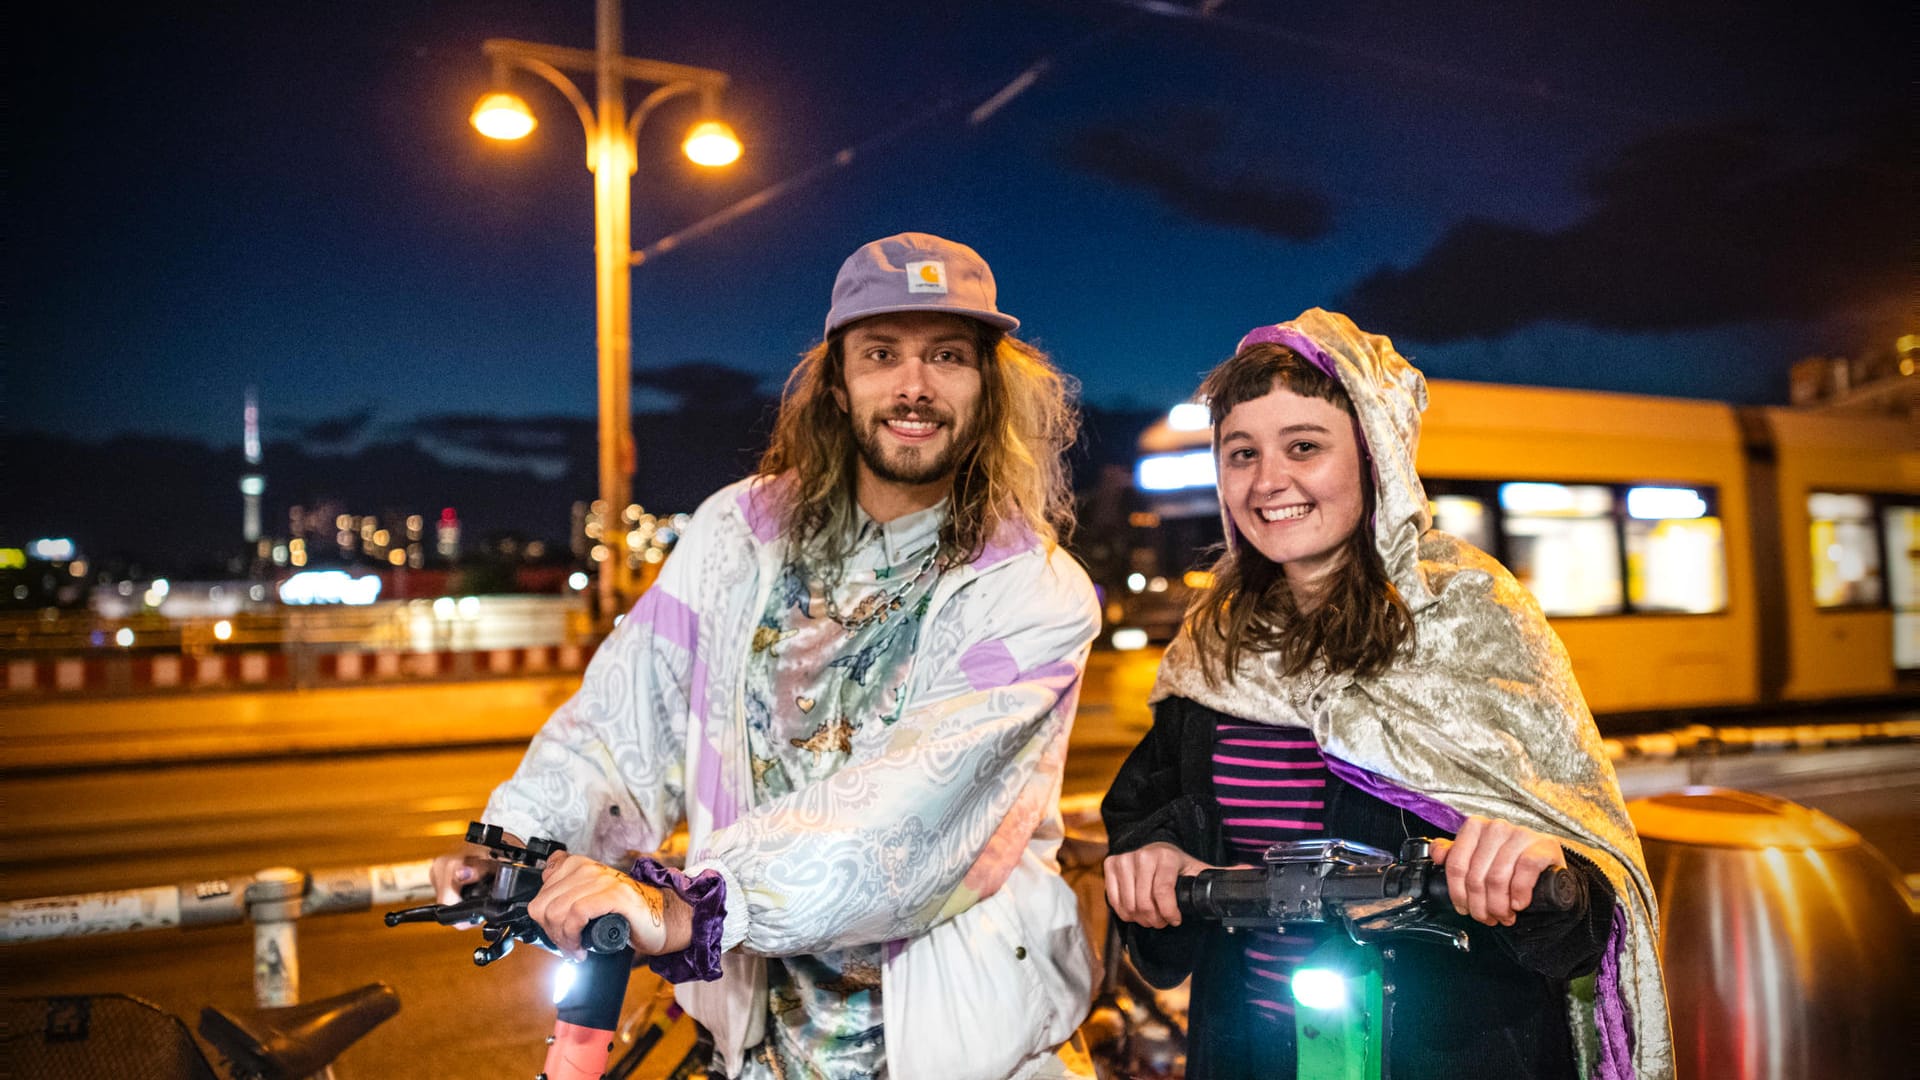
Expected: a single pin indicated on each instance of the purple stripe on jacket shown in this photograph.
(759, 505)
(672, 621)
(990, 665)
(669, 617)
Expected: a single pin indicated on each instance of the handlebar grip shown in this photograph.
(1558, 889)
(607, 934)
(1222, 894)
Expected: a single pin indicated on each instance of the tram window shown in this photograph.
(1903, 578)
(1676, 553)
(1846, 558)
(1563, 546)
(1465, 517)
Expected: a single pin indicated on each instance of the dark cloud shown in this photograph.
(334, 431)
(710, 437)
(702, 383)
(508, 435)
(1686, 229)
(549, 447)
(1163, 162)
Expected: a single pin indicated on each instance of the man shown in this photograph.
(854, 681)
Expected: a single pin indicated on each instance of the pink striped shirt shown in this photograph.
(1268, 784)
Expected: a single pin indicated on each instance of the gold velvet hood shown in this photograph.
(1481, 715)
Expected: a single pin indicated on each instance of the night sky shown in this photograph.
(1674, 199)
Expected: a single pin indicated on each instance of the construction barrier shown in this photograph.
(140, 673)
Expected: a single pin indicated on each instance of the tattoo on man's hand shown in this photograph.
(656, 905)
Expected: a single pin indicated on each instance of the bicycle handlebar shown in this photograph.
(209, 902)
(498, 903)
(607, 934)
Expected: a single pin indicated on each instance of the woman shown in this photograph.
(1351, 673)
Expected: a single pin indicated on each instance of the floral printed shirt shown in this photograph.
(830, 657)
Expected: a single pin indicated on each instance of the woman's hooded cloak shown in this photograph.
(1480, 714)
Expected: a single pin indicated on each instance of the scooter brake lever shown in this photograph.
(1401, 922)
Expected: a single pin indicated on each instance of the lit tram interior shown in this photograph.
(1690, 553)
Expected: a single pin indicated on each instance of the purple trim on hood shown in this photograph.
(1432, 811)
(1610, 1008)
(1296, 340)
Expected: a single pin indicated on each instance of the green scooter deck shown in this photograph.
(1342, 1042)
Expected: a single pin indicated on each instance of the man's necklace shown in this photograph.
(877, 606)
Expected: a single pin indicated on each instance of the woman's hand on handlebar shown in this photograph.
(1492, 866)
(576, 890)
(459, 868)
(1140, 883)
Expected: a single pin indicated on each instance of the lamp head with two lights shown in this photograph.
(505, 116)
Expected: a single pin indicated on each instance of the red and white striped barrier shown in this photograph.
(246, 669)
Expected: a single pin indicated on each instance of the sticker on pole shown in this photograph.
(401, 882)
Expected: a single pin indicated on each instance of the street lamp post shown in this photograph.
(611, 157)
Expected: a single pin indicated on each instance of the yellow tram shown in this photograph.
(1689, 553)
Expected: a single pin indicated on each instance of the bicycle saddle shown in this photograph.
(297, 1040)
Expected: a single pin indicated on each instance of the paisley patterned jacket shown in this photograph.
(937, 838)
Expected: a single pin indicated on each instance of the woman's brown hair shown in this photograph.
(1013, 472)
(1360, 621)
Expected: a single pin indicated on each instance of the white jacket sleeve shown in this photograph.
(931, 813)
(605, 773)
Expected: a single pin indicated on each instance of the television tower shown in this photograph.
(253, 483)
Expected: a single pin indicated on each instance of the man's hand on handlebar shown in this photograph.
(1492, 866)
(576, 889)
(1140, 883)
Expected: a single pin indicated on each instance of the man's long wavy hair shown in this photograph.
(1013, 470)
(1361, 621)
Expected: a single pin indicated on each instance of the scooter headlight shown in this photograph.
(564, 976)
(1319, 988)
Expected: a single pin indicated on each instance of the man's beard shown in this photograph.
(911, 465)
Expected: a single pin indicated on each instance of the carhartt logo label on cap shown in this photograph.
(928, 276)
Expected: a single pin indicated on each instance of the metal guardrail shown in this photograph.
(274, 900)
(390, 624)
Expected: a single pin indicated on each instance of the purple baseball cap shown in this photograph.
(915, 272)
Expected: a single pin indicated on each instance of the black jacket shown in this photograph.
(1497, 1010)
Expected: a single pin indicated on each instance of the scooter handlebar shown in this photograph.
(1556, 890)
(1243, 894)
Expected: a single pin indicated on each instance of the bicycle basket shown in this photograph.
(98, 1037)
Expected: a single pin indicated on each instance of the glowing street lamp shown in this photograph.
(611, 157)
(503, 116)
(711, 143)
